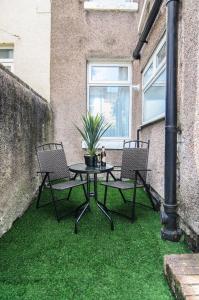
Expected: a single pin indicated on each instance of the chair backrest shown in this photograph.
(134, 157)
(51, 158)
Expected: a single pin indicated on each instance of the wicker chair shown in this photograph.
(55, 174)
(133, 174)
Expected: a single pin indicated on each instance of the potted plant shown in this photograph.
(94, 128)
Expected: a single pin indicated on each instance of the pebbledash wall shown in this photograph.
(25, 121)
(188, 117)
(78, 36)
(153, 131)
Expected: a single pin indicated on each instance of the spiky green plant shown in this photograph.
(94, 128)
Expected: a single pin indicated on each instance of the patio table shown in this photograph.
(80, 169)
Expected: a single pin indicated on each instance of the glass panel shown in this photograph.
(114, 104)
(6, 53)
(161, 55)
(106, 73)
(154, 99)
(148, 74)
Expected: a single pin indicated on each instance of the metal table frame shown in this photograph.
(80, 169)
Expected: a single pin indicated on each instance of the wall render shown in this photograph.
(25, 121)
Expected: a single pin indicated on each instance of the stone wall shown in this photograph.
(25, 121)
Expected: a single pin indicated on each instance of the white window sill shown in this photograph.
(108, 144)
(128, 6)
(155, 120)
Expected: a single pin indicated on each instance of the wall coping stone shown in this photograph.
(22, 83)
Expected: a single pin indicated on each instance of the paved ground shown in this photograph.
(182, 272)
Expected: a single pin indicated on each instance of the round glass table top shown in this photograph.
(82, 168)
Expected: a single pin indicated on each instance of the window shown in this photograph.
(154, 82)
(125, 5)
(7, 57)
(109, 93)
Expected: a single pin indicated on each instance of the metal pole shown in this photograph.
(149, 23)
(170, 230)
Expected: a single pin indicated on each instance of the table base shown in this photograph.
(83, 208)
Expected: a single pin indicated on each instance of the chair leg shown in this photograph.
(150, 197)
(69, 193)
(134, 199)
(39, 196)
(54, 203)
(122, 195)
(133, 206)
(40, 190)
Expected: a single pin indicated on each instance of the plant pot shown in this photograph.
(90, 161)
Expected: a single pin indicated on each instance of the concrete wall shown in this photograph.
(25, 121)
(77, 36)
(26, 25)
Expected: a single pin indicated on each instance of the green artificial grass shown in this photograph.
(43, 259)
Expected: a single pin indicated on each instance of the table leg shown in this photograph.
(102, 208)
(84, 207)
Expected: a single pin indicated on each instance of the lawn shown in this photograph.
(43, 259)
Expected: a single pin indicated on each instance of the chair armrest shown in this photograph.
(44, 172)
(141, 170)
(117, 168)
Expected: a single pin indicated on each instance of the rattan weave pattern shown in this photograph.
(54, 161)
(134, 159)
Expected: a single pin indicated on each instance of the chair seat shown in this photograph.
(122, 185)
(67, 184)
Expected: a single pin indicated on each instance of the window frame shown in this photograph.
(157, 70)
(8, 61)
(103, 5)
(113, 142)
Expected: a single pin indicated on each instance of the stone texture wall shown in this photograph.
(78, 36)
(25, 121)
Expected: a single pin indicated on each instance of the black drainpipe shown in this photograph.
(169, 216)
(149, 23)
(138, 136)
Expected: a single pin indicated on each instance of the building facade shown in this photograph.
(187, 110)
(87, 44)
(92, 69)
(25, 28)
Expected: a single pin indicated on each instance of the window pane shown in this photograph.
(106, 73)
(161, 55)
(114, 104)
(148, 74)
(154, 99)
(6, 53)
